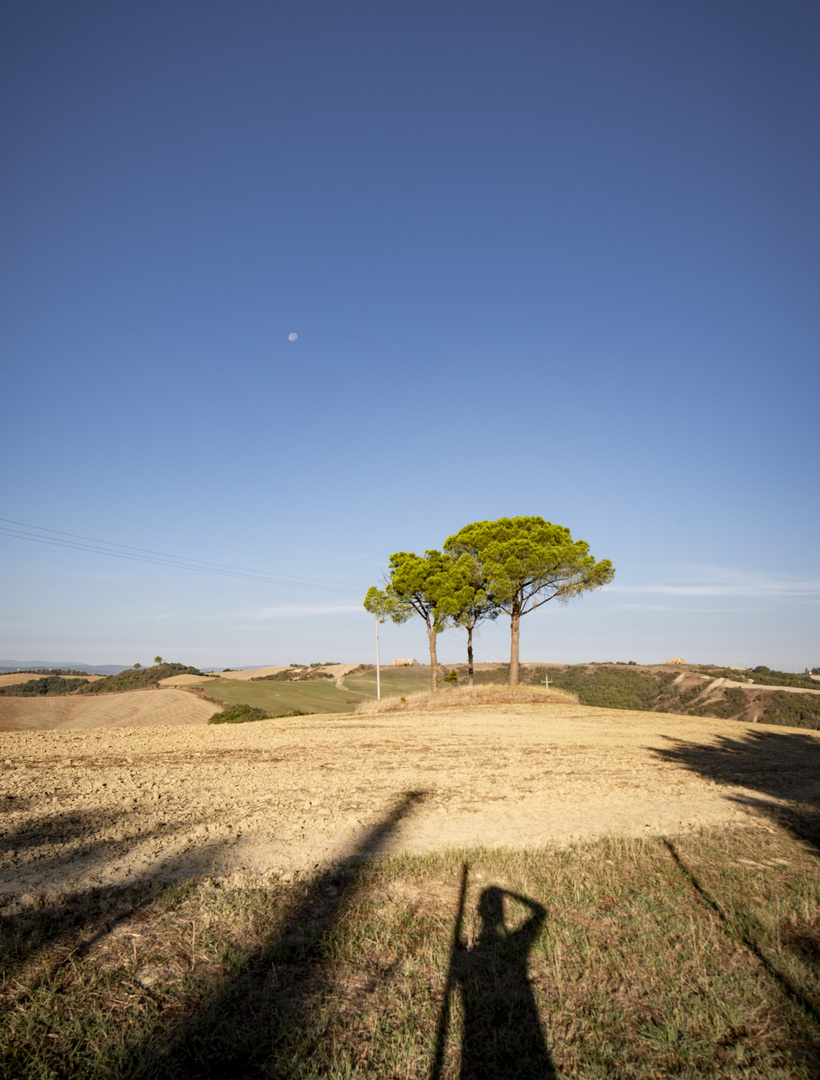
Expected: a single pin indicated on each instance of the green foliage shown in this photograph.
(49, 687)
(734, 702)
(157, 659)
(793, 710)
(416, 585)
(137, 667)
(246, 714)
(604, 687)
(612, 686)
(526, 561)
(761, 675)
(384, 606)
(468, 601)
(513, 565)
(137, 678)
(767, 677)
(239, 714)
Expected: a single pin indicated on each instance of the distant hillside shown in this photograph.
(690, 690)
(53, 685)
(61, 665)
(137, 678)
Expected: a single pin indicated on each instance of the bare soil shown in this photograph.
(134, 708)
(118, 806)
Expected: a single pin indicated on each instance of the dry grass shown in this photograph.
(637, 959)
(460, 697)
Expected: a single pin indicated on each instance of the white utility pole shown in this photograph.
(378, 686)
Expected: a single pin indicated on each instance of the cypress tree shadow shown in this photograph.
(258, 1021)
(502, 1036)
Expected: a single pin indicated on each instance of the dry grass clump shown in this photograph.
(463, 697)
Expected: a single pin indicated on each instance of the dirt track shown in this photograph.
(96, 808)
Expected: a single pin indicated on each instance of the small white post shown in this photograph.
(378, 684)
(547, 681)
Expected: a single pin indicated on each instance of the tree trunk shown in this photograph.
(470, 678)
(515, 620)
(431, 637)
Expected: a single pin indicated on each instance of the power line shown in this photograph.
(73, 541)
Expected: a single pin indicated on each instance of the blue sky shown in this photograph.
(550, 258)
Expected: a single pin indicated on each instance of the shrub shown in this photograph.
(793, 710)
(245, 714)
(762, 675)
(732, 704)
(239, 714)
(605, 687)
(49, 687)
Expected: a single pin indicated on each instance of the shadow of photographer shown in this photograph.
(502, 1036)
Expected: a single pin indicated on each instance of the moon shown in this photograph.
(292, 337)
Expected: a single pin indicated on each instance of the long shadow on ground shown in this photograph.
(778, 765)
(782, 766)
(60, 916)
(257, 1022)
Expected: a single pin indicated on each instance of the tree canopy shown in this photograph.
(469, 602)
(526, 562)
(415, 585)
(513, 565)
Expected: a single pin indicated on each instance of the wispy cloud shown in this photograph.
(300, 611)
(717, 581)
(689, 610)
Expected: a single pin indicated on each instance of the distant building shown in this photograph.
(403, 663)
(676, 660)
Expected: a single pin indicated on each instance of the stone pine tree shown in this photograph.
(526, 562)
(468, 600)
(415, 585)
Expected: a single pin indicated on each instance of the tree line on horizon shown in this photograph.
(512, 565)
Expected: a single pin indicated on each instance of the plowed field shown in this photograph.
(102, 807)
